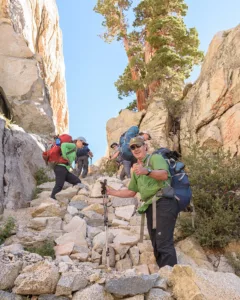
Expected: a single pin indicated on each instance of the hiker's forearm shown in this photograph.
(121, 193)
(159, 174)
(115, 155)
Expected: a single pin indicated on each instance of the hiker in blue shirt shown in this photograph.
(83, 153)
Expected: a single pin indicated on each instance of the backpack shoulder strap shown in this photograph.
(148, 161)
(148, 164)
(70, 151)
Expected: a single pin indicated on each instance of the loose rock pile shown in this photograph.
(76, 224)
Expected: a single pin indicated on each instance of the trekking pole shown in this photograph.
(105, 199)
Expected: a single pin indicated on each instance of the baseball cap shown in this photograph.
(146, 132)
(138, 140)
(80, 138)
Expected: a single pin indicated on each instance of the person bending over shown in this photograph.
(62, 171)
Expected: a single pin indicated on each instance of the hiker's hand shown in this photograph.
(110, 191)
(139, 169)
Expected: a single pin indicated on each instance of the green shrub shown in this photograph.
(6, 230)
(174, 107)
(131, 106)
(41, 176)
(110, 167)
(186, 225)
(36, 191)
(45, 250)
(8, 122)
(234, 261)
(214, 178)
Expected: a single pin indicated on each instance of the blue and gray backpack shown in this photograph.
(179, 179)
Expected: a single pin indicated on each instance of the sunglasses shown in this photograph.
(133, 147)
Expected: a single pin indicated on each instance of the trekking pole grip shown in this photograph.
(104, 187)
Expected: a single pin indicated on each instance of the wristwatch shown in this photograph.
(149, 171)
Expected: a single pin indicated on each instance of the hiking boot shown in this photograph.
(80, 186)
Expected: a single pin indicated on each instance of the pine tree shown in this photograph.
(116, 25)
(161, 50)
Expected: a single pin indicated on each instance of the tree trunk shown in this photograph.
(153, 87)
(141, 100)
(140, 94)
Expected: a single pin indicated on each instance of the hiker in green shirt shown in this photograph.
(62, 170)
(148, 181)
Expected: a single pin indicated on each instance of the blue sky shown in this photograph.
(92, 66)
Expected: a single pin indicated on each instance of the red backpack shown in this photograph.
(53, 156)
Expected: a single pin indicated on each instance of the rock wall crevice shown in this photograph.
(5, 108)
(31, 49)
(2, 164)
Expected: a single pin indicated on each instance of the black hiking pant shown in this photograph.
(126, 170)
(62, 175)
(82, 167)
(162, 237)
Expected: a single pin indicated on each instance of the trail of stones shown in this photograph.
(76, 224)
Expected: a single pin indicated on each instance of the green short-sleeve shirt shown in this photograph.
(147, 186)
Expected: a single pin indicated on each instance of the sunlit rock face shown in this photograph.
(213, 104)
(118, 125)
(32, 71)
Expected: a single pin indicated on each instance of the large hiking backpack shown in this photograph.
(179, 179)
(125, 138)
(53, 156)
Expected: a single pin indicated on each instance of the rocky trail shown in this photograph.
(71, 229)
(75, 223)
